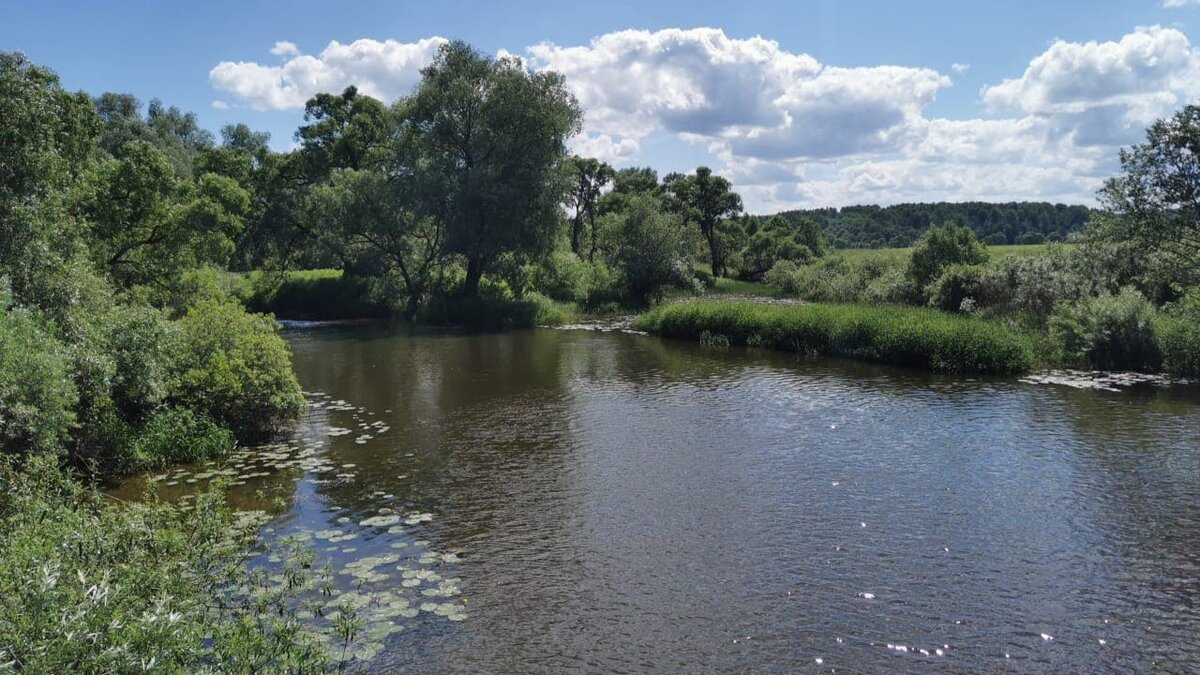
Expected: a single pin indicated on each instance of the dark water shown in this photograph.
(607, 502)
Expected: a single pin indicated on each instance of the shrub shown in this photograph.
(1178, 333)
(177, 436)
(649, 255)
(1109, 332)
(37, 396)
(562, 276)
(906, 336)
(956, 284)
(143, 345)
(236, 369)
(940, 247)
(90, 586)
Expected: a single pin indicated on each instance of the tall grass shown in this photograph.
(499, 313)
(315, 295)
(905, 336)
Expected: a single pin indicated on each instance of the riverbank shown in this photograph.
(904, 336)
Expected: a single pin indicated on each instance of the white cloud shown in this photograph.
(1072, 77)
(1180, 3)
(793, 132)
(749, 93)
(604, 147)
(285, 48)
(383, 69)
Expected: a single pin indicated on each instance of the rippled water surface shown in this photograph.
(586, 501)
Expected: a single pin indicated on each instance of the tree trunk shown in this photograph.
(577, 235)
(592, 222)
(712, 253)
(474, 273)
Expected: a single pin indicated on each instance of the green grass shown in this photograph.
(905, 336)
(489, 313)
(724, 286)
(324, 294)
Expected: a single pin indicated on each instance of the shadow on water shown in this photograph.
(618, 502)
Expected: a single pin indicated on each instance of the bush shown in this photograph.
(916, 337)
(177, 436)
(1179, 340)
(236, 369)
(1109, 332)
(37, 396)
(940, 247)
(956, 284)
(562, 276)
(1178, 332)
(649, 255)
(91, 586)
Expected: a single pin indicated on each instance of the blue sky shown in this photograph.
(801, 103)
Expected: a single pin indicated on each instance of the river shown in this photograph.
(551, 501)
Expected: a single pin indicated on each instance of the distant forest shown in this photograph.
(902, 224)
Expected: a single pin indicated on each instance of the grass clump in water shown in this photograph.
(904, 336)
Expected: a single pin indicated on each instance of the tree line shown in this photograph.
(902, 224)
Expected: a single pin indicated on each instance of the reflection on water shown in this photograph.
(604, 501)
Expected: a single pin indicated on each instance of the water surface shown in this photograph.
(591, 501)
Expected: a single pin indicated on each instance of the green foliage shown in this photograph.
(89, 586)
(649, 254)
(706, 200)
(1178, 332)
(916, 337)
(1154, 200)
(493, 313)
(1109, 332)
(177, 436)
(957, 284)
(586, 178)
(236, 369)
(146, 226)
(319, 295)
(940, 247)
(489, 136)
(874, 227)
(37, 397)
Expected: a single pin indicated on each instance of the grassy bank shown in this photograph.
(316, 295)
(905, 336)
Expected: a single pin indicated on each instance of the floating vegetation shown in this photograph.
(374, 575)
(1101, 380)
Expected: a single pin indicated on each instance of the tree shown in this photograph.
(940, 247)
(369, 214)
(587, 178)
(342, 131)
(1156, 199)
(146, 226)
(47, 137)
(490, 136)
(776, 240)
(650, 250)
(706, 200)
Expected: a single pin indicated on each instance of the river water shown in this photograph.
(581, 501)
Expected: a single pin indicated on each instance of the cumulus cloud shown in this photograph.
(1180, 3)
(793, 132)
(1072, 77)
(383, 69)
(750, 93)
(285, 48)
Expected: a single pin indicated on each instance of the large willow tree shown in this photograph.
(490, 136)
